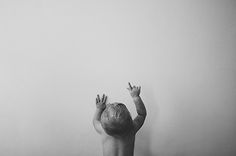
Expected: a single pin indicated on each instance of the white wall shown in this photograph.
(55, 56)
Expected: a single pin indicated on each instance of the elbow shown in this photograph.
(94, 121)
(143, 114)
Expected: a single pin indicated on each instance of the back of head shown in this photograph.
(116, 119)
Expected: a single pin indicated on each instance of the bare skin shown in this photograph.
(120, 145)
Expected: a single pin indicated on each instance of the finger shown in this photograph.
(105, 100)
(129, 89)
(139, 87)
(130, 86)
(98, 98)
(134, 87)
(103, 96)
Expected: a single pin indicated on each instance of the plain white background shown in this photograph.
(55, 56)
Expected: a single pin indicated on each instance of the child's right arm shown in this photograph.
(141, 110)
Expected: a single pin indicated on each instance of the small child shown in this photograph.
(114, 123)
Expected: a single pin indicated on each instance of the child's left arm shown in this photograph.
(100, 106)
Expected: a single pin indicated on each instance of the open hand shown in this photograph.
(101, 103)
(134, 91)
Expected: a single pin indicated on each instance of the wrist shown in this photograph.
(100, 108)
(135, 97)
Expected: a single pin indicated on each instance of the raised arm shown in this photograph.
(100, 106)
(140, 108)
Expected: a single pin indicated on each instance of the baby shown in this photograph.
(114, 123)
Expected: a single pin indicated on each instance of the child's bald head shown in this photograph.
(116, 119)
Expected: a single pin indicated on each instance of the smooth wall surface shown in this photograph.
(55, 56)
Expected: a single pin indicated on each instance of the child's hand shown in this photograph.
(134, 91)
(101, 103)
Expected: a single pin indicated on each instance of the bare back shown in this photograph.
(118, 146)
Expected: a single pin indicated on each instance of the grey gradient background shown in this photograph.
(56, 55)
